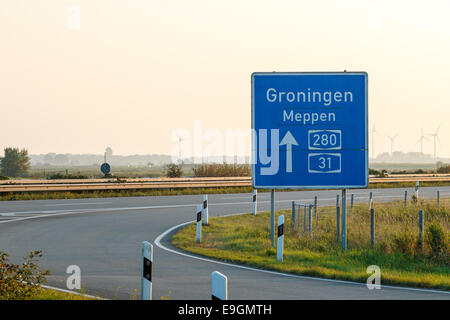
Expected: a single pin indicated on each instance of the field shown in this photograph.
(245, 239)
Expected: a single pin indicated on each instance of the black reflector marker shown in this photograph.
(199, 223)
(280, 240)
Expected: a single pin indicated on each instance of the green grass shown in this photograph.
(9, 196)
(50, 294)
(245, 239)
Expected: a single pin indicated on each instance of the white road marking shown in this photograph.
(158, 239)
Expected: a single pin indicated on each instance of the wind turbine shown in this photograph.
(392, 141)
(422, 137)
(373, 132)
(435, 137)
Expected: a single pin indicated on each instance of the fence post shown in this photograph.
(372, 226)
(147, 261)
(293, 214)
(280, 240)
(437, 199)
(406, 197)
(337, 223)
(199, 223)
(205, 209)
(219, 286)
(255, 192)
(309, 220)
(315, 207)
(420, 228)
(304, 218)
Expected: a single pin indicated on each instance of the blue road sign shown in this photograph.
(309, 130)
(105, 168)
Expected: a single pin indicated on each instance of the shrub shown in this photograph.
(3, 177)
(444, 169)
(222, 170)
(436, 238)
(18, 282)
(404, 242)
(68, 176)
(174, 170)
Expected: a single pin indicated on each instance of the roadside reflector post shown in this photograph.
(417, 190)
(309, 219)
(370, 198)
(372, 226)
(280, 240)
(337, 223)
(272, 216)
(437, 199)
(293, 214)
(315, 207)
(420, 228)
(219, 286)
(199, 223)
(147, 261)
(205, 209)
(344, 219)
(304, 218)
(254, 209)
(406, 197)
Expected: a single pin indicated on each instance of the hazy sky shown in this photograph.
(135, 71)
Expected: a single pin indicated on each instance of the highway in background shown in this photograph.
(103, 237)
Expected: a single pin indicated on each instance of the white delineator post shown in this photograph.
(205, 209)
(219, 286)
(199, 222)
(147, 262)
(255, 193)
(280, 240)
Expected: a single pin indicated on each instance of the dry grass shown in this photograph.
(246, 239)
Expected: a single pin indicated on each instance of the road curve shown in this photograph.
(103, 237)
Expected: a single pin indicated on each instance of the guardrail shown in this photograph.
(169, 183)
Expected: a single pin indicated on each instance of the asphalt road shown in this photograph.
(103, 237)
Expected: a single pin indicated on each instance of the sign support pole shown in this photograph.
(344, 219)
(272, 216)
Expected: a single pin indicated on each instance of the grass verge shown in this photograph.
(50, 294)
(10, 196)
(245, 239)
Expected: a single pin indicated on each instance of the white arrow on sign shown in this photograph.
(288, 140)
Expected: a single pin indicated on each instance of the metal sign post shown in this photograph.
(344, 220)
(309, 130)
(272, 216)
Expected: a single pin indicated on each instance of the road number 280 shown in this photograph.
(324, 139)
